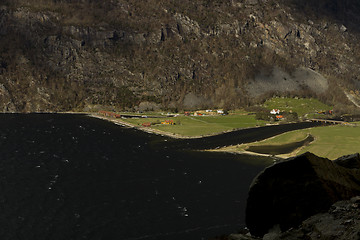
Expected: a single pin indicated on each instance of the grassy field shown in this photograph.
(202, 125)
(330, 141)
(207, 125)
(301, 106)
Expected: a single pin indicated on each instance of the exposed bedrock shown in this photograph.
(287, 193)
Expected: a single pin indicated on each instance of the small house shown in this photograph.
(275, 111)
(146, 124)
(168, 122)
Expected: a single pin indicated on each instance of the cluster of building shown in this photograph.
(109, 114)
(330, 112)
(208, 112)
(277, 114)
(166, 122)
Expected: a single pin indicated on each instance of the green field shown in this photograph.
(301, 106)
(202, 125)
(207, 125)
(330, 141)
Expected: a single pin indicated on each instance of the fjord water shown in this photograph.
(76, 177)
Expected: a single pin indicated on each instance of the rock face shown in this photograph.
(287, 193)
(349, 161)
(74, 55)
(341, 222)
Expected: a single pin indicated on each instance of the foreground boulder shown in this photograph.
(287, 193)
(349, 161)
(340, 222)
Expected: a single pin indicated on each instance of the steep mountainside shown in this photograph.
(58, 55)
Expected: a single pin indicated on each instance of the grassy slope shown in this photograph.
(335, 141)
(300, 106)
(330, 141)
(203, 125)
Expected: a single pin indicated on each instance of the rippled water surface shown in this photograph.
(75, 177)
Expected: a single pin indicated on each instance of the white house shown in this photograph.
(275, 111)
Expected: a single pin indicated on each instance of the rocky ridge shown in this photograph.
(341, 222)
(83, 55)
(305, 197)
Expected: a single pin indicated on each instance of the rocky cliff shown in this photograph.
(127, 54)
(304, 197)
(287, 193)
(340, 222)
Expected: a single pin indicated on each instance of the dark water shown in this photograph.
(75, 177)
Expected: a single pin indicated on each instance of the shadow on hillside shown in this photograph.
(341, 11)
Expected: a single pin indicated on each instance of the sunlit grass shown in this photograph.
(201, 125)
(330, 141)
(301, 106)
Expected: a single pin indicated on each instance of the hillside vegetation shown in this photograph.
(59, 55)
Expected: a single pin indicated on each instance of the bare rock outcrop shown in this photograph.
(340, 222)
(71, 55)
(291, 191)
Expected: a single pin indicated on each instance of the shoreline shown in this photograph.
(281, 156)
(118, 121)
(177, 136)
(144, 129)
(122, 123)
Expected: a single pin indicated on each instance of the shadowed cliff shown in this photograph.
(127, 54)
(287, 193)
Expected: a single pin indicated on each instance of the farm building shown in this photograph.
(109, 114)
(168, 122)
(275, 111)
(146, 124)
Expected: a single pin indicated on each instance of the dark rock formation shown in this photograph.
(349, 161)
(287, 193)
(341, 222)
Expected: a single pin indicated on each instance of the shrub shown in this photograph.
(264, 116)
